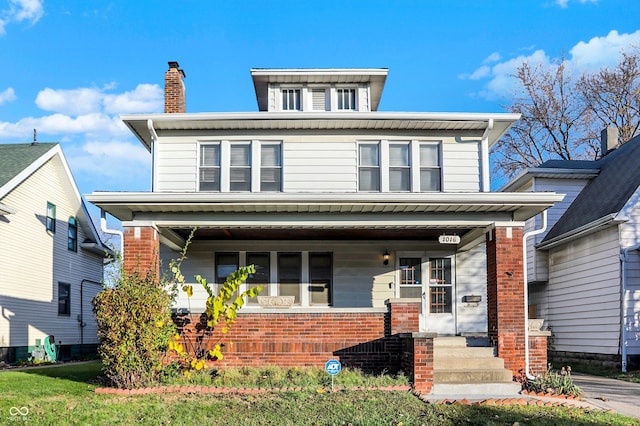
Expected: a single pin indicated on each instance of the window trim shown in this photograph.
(379, 167)
(202, 144)
(50, 218)
(72, 240)
(299, 98)
(339, 95)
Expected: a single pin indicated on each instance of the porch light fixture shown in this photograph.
(385, 256)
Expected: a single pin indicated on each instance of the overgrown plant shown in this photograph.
(219, 308)
(134, 328)
(555, 382)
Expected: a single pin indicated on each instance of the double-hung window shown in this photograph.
(399, 167)
(369, 167)
(346, 99)
(291, 100)
(430, 167)
(262, 276)
(270, 167)
(51, 217)
(240, 167)
(209, 173)
(72, 234)
(64, 299)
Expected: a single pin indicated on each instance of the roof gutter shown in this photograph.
(526, 291)
(624, 257)
(486, 184)
(103, 227)
(574, 234)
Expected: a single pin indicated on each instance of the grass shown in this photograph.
(62, 396)
(612, 373)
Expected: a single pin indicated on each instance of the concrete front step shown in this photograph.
(468, 391)
(464, 363)
(472, 376)
(463, 352)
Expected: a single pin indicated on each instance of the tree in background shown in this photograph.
(563, 113)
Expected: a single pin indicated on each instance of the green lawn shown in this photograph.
(62, 396)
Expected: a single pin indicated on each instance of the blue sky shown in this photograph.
(69, 68)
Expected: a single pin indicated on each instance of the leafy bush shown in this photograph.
(134, 328)
(555, 382)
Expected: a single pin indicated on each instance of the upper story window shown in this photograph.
(240, 167)
(430, 173)
(291, 100)
(399, 166)
(270, 167)
(209, 173)
(72, 235)
(346, 99)
(51, 217)
(369, 167)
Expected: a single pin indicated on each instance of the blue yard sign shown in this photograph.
(333, 367)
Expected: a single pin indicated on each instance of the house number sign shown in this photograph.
(449, 239)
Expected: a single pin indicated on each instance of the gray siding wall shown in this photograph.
(33, 262)
(584, 294)
(313, 163)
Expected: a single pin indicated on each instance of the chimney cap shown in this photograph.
(176, 66)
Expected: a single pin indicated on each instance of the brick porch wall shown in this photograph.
(537, 352)
(405, 316)
(505, 295)
(141, 250)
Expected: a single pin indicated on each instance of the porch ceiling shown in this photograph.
(355, 210)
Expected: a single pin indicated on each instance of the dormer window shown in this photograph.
(291, 100)
(346, 99)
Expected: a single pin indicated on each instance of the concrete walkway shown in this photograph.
(610, 394)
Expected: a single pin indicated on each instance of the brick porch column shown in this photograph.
(404, 316)
(141, 250)
(505, 295)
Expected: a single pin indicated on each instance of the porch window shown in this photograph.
(226, 263)
(209, 178)
(240, 167)
(290, 275)
(262, 276)
(440, 286)
(369, 167)
(430, 175)
(410, 277)
(320, 275)
(270, 167)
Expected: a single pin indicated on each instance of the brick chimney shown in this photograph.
(174, 90)
(608, 140)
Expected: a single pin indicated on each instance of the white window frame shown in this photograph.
(299, 98)
(199, 163)
(335, 97)
(379, 167)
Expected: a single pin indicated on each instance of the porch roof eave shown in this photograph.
(126, 206)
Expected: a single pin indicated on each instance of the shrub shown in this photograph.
(134, 328)
(553, 381)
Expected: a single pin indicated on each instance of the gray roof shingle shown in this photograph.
(604, 195)
(14, 158)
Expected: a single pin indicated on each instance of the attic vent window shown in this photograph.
(291, 99)
(318, 100)
(346, 99)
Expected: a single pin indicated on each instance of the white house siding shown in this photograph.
(313, 163)
(630, 237)
(471, 279)
(584, 294)
(33, 262)
(537, 262)
(360, 279)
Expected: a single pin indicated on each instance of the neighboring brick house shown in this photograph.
(51, 256)
(376, 225)
(584, 272)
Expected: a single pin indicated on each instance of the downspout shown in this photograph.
(624, 253)
(103, 227)
(526, 291)
(154, 138)
(484, 147)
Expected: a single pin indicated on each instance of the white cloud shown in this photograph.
(8, 95)
(494, 57)
(72, 102)
(61, 125)
(565, 3)
(144, 98)
(583, 57)
(21, 10)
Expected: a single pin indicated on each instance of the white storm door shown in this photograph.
(439, 296)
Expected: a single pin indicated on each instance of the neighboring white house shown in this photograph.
(342, 207)
(51, 257)
(584, 272)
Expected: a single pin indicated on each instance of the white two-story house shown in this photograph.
(345, 210)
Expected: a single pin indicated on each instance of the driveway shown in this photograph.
(610, 394)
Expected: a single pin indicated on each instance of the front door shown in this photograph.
(432, 280)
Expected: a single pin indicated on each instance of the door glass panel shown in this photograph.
(410, 277)
(440, 286)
